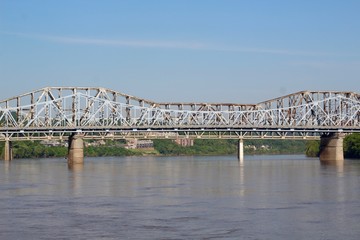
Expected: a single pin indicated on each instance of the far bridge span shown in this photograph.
(77, 113)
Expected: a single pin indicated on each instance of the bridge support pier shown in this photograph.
(331, 147)
(8, 153)
(76, 149)
(241, 151)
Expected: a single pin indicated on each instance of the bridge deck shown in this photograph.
(57, 112)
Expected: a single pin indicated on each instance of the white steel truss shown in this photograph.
(99, 112)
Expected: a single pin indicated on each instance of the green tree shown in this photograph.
(352, 146)
(313, 148)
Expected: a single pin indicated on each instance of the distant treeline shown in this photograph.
(229, 146)
(351, 147)
(34, 149)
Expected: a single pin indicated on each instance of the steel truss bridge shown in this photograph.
(98, 113)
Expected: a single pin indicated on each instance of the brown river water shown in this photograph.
(268, 197)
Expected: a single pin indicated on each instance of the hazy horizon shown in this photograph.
(181, 51)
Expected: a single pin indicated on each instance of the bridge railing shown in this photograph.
(99, 108)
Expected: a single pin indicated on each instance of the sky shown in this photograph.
(181, 50)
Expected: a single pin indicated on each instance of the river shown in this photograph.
(268, 197)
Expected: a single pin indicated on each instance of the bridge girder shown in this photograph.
(100, 111)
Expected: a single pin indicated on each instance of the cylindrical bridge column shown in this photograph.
(76, 149)
(8, 153)
(241, 151)
(331, 147)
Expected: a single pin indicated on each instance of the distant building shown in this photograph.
(265, 147)
(95, 143)
(252, 147)
(53, 143)
(185, 142)
(139, 144)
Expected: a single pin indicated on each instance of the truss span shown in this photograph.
(57, 111)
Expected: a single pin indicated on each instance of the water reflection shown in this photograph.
(76, 178)
(335, 165)
(6, 166)
(241, 179)
(75, 167)
(332, 163)
(267, 197)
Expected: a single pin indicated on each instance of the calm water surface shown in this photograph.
(269, 197)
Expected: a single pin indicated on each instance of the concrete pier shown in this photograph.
(76, 149)
(8, 153)
(241, 151)
(331, 147)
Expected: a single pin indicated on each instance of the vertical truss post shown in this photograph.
(74, 108)
(128, 116)
(18, 106)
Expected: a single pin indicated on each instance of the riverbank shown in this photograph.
(351, 147)
(34, 149)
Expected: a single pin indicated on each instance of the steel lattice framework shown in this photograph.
(55, 112)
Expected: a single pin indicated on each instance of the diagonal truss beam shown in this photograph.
(102, 110)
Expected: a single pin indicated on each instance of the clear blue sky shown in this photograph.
(185, 50)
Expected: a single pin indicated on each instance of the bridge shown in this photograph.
(77, 113)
